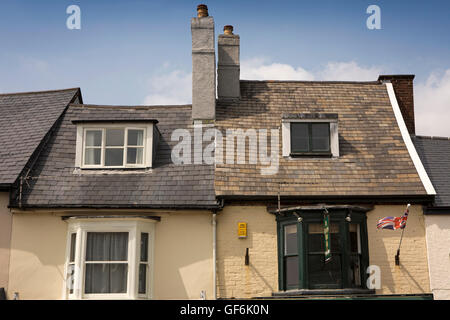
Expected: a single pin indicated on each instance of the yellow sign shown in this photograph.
(242, 230)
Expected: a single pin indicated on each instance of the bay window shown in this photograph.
(301, 245)
(109, 259)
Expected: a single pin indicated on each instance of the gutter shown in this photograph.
(311, 199)
(444, 210)
(106, 206)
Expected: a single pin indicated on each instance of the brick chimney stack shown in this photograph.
(403, 87)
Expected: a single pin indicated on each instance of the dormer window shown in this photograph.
(112, 146)
(310, 135)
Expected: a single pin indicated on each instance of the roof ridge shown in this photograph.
(313, 81)
(32, 92)
(431, 137)
(127, 107)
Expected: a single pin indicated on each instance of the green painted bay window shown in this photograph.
(301, 247)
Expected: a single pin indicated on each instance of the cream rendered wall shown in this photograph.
(5, 238)
(438, 243)
(260, 278)
(183, 255)
(38, 248)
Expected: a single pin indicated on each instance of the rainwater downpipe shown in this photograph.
(214, 227)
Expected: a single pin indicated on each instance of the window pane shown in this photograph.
(92, 156)
(114, 157)
(144, 247)
(135, 137)
(321, 273)
(320, 137)
(73, 238)
(299, 137)
(290, 239)
(142, 278)
(106, 278)
(354, 238)
(316, 238)
(114, 137)
(71, 277)
(291, 271)
(93, 138)
(355, 270)
(107, 246)
(135, 155)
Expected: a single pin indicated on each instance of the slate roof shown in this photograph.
(435, 155)
(373, 161)
(166, 185)
(25, 118)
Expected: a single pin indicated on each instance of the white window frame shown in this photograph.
(81, 144)
(286, 135)
(134, 228)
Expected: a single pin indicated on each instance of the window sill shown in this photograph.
(94, 171)
(323, 292)
(114, 168)
(310, 154)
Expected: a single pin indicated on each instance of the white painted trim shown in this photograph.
(79, 147)
(148, 146)
(334, 138)
(286, 137)
(134, 227)
(407, 139)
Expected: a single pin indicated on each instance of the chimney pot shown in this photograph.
(228, 29)
(202, 10)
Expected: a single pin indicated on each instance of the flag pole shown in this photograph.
(397, 256)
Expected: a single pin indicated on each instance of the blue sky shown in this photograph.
(135, 52)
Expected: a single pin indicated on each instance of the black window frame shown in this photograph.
(310, 151)
(307, 217)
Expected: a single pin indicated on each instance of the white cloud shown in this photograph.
(170, 89)
(259, 69)
(349, 71)
(432, 105)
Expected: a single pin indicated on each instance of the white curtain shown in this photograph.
(106, 277)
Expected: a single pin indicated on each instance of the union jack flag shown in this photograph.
(394, 223)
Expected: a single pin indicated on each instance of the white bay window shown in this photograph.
(109, 259)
